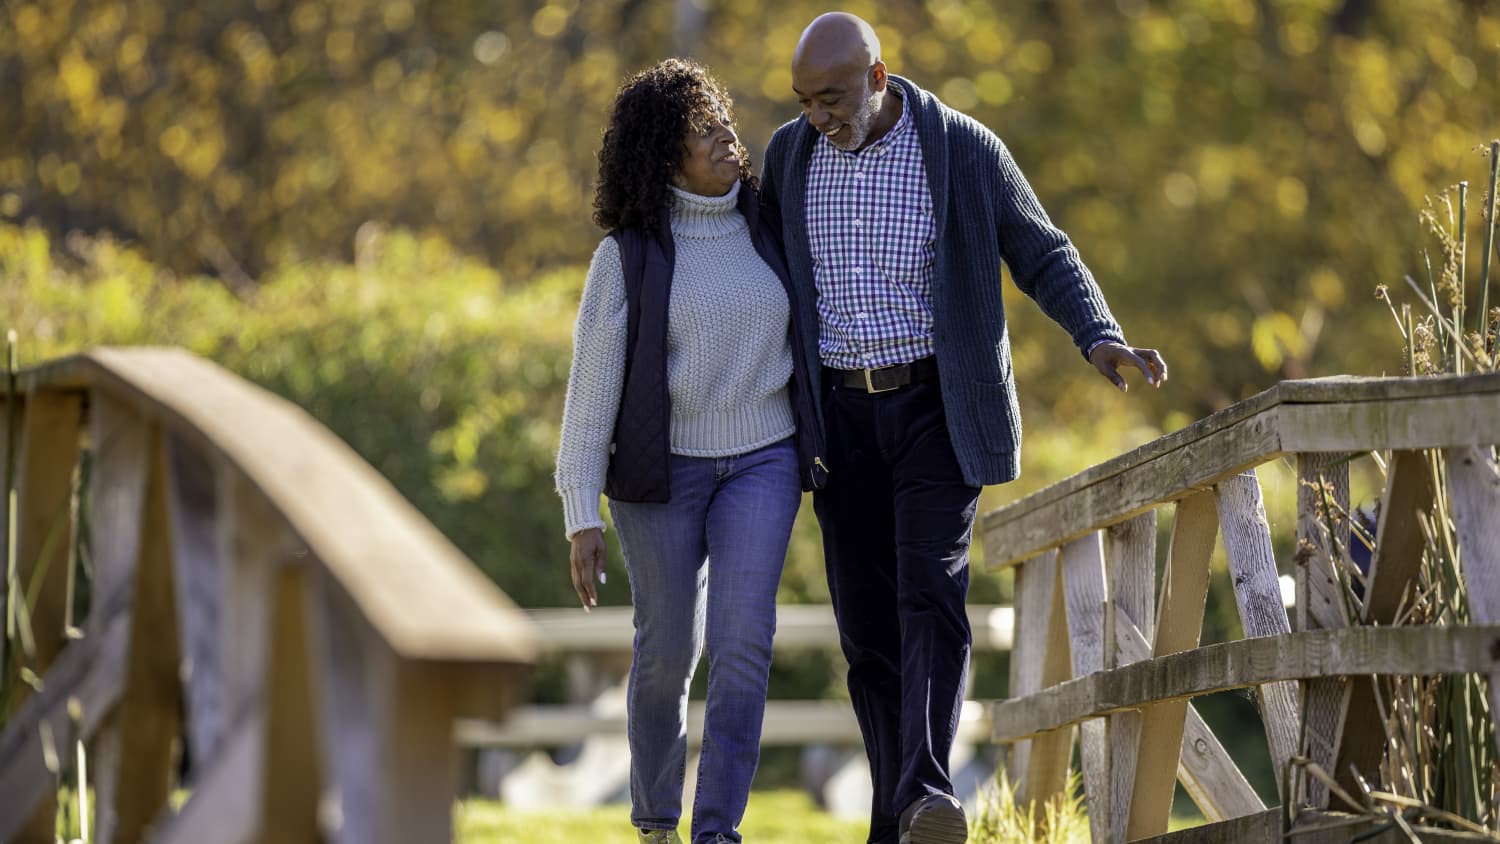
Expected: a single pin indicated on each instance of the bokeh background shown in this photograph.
(380, 208)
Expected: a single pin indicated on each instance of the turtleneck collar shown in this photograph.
(706, 216)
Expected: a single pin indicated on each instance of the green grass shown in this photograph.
(774, 817)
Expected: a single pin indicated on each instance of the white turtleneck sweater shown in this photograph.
(729, 358)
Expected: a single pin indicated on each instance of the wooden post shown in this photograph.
(1130, 557)
(48, 455)
(1257, 592)
(198, 567)
(1033, 605)
(134, 762)
(1322, 569)
(1395, 568)
(387, 732)
(1474, 489)
(1179, 624)
(1083, 580)
(1204, 768)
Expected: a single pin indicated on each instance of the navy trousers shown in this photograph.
(897, 519)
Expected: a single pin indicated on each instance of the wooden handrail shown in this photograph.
(322, 636)
(1342, 414)
(1097, 643)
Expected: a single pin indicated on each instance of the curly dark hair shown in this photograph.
(643, 146)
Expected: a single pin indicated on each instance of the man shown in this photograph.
(897, 212)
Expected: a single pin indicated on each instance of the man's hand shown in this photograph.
(1108, 357)
(588, 562)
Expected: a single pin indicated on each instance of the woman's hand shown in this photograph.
(587, 555)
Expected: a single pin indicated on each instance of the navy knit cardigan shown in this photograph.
(985, 212)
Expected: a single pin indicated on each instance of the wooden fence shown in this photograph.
(254, 584)
(1098, 646)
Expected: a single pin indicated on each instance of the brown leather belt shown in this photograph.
(884, 379)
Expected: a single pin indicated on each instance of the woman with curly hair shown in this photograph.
(689, 408)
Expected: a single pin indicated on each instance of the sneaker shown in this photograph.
(657, 836)
(934, 819)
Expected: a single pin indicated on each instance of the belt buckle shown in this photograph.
(870, 385)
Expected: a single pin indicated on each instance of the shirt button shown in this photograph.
(861, 315)
(858, 223)
(857, 271)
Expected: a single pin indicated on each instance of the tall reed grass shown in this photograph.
(1440, 769)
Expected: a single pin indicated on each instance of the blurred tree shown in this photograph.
(1253, 164)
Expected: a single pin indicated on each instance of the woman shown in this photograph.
(689, 407)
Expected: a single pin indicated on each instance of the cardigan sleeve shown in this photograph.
(1043, 261)
(594, 385)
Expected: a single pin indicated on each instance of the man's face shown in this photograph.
(841, 103)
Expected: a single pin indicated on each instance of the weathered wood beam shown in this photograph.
(1257, 593)
(1474, 493)
(1327, 415)
(1253, 662)
(1322, 563)
(1130, 555)
(1083, 582)
(1179, 625)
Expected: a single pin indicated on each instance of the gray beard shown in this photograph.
(860, 123)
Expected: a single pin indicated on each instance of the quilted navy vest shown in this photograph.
(639, 461)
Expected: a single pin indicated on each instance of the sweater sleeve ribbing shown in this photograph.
(1045, 263)
(594, 386)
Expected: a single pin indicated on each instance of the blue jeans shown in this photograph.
(704, 568)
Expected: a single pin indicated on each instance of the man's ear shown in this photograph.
(878, 76)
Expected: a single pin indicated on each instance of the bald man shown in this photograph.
(897, 212)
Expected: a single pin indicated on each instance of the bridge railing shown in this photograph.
(1098, 645)
(255, 586)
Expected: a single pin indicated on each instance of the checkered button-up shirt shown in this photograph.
(871, 232)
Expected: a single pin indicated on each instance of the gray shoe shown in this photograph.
(934, 819)
(657, 836)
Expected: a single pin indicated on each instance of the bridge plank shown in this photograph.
(1180, 622)
(1253, 662)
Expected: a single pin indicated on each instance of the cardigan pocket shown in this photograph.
(998, 415)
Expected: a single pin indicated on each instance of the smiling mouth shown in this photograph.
(841, 127)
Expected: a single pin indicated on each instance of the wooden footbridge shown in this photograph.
(259, 589)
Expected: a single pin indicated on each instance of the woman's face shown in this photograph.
(710, 159)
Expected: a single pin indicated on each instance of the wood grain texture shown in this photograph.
(1346, 414)
(1083, 585)
(38, 592)
(1322, 559)
(350, 517)
(1257, 593)
(1204, 767)
(198, 568)
(49, 444)
(1052, 752)
(1253, 662)
(1033, 588)
(1394, 571)
(1397, 561)
(1130, 559)
(134, 765)
(1474, 492)
(1179, 624)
